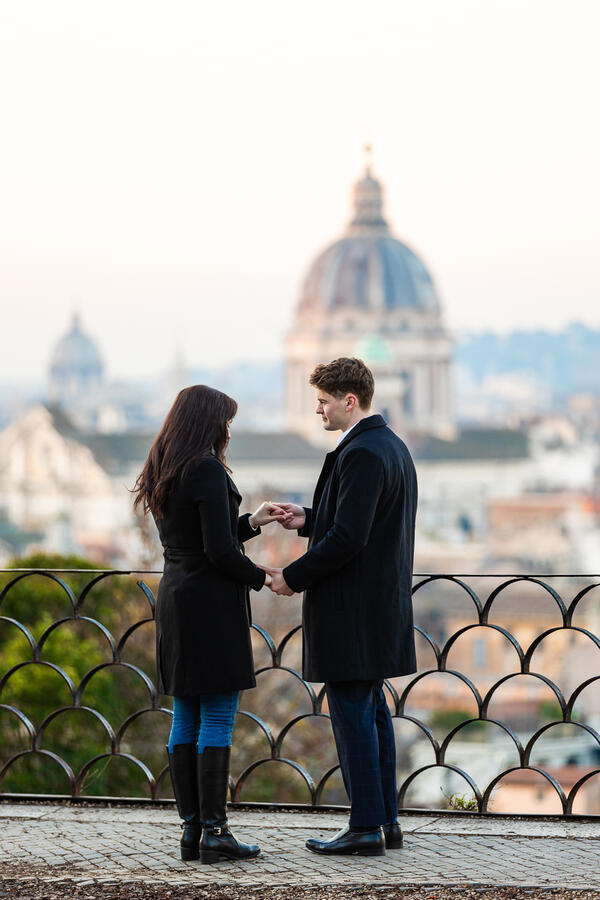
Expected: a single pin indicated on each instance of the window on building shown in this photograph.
(407, 393)
(479, 653)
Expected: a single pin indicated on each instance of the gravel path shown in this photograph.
(20, 889)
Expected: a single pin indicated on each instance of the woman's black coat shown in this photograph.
(357, 614)
(203, 612)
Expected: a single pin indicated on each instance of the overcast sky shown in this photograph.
(171, 168)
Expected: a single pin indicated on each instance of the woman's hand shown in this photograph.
(269, 512)
(268, 574)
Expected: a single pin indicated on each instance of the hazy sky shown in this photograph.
(171, 168)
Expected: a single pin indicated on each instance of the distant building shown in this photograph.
(76, 370)
(526, 791)
(369, 295)
(61, 490)
(77, 386)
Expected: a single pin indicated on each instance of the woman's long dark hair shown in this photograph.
(195, 427)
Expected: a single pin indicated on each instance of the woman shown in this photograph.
(203, 648)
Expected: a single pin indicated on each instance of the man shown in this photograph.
(357, 612)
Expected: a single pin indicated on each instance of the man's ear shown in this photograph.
(351, 402)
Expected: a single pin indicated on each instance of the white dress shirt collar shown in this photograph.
(345, 433)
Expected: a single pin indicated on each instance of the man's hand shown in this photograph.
(295, 517)
(269, 512)
(280, 587)
(278, 583)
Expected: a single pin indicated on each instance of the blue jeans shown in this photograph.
(207, 719)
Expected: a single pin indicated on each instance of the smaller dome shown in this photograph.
(76, 353)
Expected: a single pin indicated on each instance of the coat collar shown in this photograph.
(375, 421)
(233, 488)
(364, 425)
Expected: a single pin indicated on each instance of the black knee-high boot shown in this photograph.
(213, 782)
(184, 775)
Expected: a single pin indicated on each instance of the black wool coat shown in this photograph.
(356, 576)
(203, 612)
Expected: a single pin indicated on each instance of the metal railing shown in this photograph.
(71, 661)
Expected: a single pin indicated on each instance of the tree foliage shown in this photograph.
(49, 682)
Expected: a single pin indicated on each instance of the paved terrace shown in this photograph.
(92, 846)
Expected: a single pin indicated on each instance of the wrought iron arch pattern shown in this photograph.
(241, 783)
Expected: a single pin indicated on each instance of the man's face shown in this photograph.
(334, 411)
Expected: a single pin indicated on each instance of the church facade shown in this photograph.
(370, 296)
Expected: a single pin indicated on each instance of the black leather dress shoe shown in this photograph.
(393, 836)
(361, 843)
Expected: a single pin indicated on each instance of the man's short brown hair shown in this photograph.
(345, 375)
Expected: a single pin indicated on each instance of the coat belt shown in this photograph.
(183, 553)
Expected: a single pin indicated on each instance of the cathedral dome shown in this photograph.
(368, 268)
(368, 295)
(76, 354)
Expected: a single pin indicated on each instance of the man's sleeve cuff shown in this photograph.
(291, 578)
(305, 530)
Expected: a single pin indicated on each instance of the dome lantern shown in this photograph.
(368, 203)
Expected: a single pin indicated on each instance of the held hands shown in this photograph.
(269, 512)
(275, 580)
(294, 518)
(291, 517)
(279, 585)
